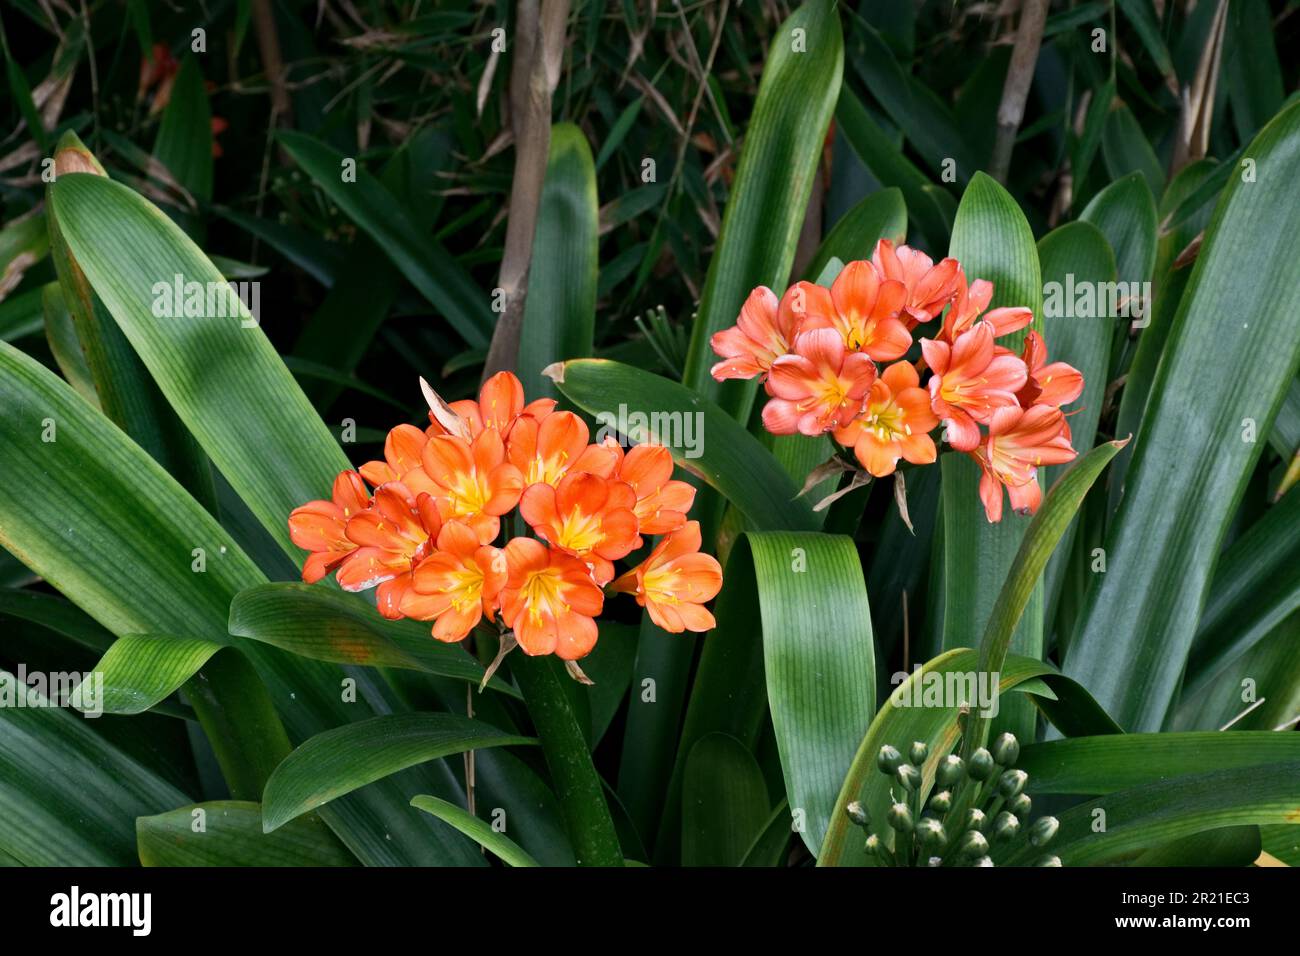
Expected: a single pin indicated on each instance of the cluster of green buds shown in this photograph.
(973, 805)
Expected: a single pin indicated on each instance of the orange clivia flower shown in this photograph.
(894, 424)
(971, 381)
(762, 334)
(1056, 384)
(392, 536)
(549, 600)
(500, 404)
(546, 449)
(661, 502)
(674, 582)
(1020, 440)
(321, 526)
(472, 481)
(863, 308)
(929, 287)
(457, 584)
(818, 387)
(402, 449)
(968, 304)
(586, 516)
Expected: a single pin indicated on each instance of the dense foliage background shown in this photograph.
(691, 151)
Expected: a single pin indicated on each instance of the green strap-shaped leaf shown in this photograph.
(724, 802)
(1125, 212)
(992, 240)
(328, 625)
(821, 681)
(1255, 588)
(1023, 577)
(140, 670)
(62, 337)
(560, 311)
(1074, 258)
(925, 120)
(769, 196)
(428, 266)
(1142, 15)
(339, 761)
(769, 847)
(703, 439)
(930, 209)
(1125, 148)
(477, 830)
(1168, 285)
(184, 144)
(118, 536)
(1143, 611)
(69, 798)
(229, 833)
(653, 722)
(1096, 765)
(1165, 810)
(220, 373)
(881, 215)
(126, 393)
(1251, 67)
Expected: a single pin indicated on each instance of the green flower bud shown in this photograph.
(1012, 783)
(858, 814)
(973, 845)
(1044, 828)
(983, 861)
(888, 759)
(932, 833)
(874, 847)
(1048, 860)
(1006, 750)
(981, 765)
(916, 756)
(900, 817)
(909, 777)
(1021, 806)
(940, 802)
(1005, 827)
(950, 771)
(975, 819)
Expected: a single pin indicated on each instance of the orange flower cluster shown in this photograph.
(426, 536)
(817, 351)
